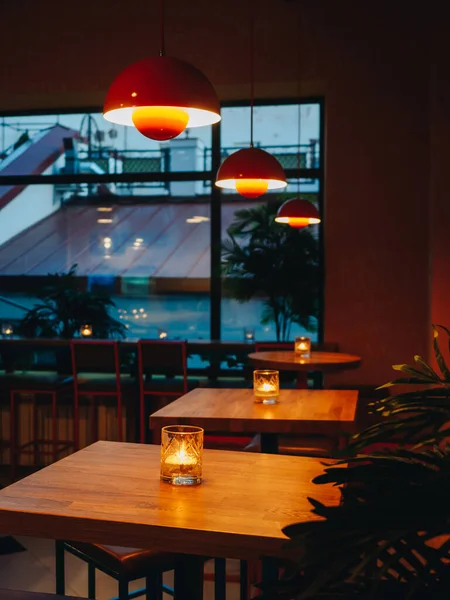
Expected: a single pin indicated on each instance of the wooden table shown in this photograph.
(235, 411)
(287, 360)
(110, 493)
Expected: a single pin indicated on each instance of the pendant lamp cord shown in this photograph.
(162, 41)
(252, 66)
(299, 93)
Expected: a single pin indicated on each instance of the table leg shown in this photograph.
(302, 380)
(188, 583)
(269, 443)
(220, 579)
(269, 570)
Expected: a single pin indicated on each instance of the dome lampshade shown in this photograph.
(298, 213)
(161, 96)
(251, 172)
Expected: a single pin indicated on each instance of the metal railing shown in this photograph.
(113, 161)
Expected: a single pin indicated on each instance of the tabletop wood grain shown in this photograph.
(234, 410)
(287, 360)
(111, 493)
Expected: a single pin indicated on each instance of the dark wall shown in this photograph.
(370, 60)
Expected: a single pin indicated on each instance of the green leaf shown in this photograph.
(439, 358)
(414, 372)
(426, 368)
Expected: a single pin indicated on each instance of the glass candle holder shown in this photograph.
(86, 330)
(7, 330)
(266, 386)
(249, 334)
(181, 454)
(302, 347)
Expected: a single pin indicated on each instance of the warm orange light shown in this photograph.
(297, 222)
(251, 172)
(298, 213)
(252, 188)
(160, 122)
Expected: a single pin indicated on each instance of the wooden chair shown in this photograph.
(162, 371)
(123, 564)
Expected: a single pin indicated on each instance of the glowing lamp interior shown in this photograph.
(252, 188)
(160, 122)
(297, 222)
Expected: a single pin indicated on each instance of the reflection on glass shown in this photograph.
(89, 144)
(249, 334)
(7, 330)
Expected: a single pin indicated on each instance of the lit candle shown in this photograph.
(266, 386)
(302, 347)
(7, 330)
(86, 330)
(249, 334)
(181, 454)
(181, 458)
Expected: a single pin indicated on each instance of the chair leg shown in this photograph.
(123, 589)
(153, 586)
(94, 424)
(91, 581)
(76, 422)
(142, 416)
(59, 568)
(54, 428)
(12, 436)
(35, 431)
(119, 417)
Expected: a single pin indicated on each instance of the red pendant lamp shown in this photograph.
(251, 171)
(298, 212)
(161, 96)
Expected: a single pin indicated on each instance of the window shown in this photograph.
(275, 130)
(142, 220)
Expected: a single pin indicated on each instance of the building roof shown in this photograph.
(153, 240)
(33, 158)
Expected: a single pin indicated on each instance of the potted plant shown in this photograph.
(263, 258)
(63, 308)
(390, 536)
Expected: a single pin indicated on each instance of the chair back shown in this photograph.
(92, 356)
(161, 357)
(269, 346)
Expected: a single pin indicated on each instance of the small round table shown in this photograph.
(287, 360)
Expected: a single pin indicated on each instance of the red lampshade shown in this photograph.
(161, 96)
(251, 172)
(298, 213)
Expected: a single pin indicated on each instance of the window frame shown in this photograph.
(216, 193)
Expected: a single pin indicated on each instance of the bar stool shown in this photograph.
(96, 373)
(37, 385)
(156, 358)
(123, 564)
